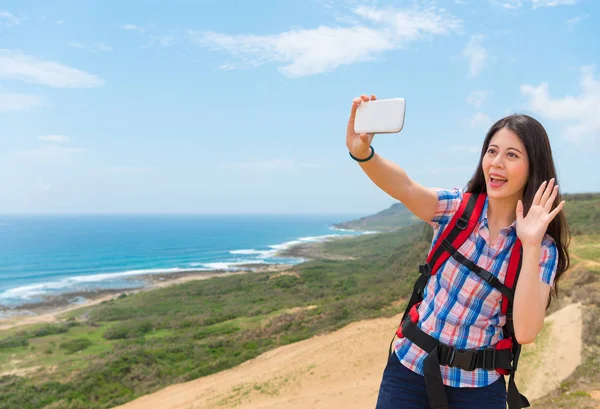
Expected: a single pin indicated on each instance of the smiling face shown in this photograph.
(505, 166)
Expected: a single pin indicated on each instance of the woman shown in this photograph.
(517, 174)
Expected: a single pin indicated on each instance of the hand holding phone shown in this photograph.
(369, 116)
(380, 116)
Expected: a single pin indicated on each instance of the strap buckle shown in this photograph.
(462, 359)
(489, 277)
(425, 269)
(447, 245)
(462, 223)
(489, 359)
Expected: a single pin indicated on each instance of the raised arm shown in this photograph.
(388, 176)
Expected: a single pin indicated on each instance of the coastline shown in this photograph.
(314, 250)
(50, 310)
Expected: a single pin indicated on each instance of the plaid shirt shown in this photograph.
(459, 308)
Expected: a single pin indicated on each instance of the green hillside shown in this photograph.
(109, 354)
(393, 218)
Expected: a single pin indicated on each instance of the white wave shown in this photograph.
(253, 252)
(276, 248)
(32, 290)
(29, 291)
(285, 245)
(246, 251)
(109, 276)
(302, 240)
(319, 238)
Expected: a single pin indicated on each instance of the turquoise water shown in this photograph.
(44, 255)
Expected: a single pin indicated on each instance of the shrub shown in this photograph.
(129, 329)
(75, 345)
(14, 341)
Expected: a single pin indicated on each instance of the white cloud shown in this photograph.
(9, 19)
(45, 152)
(59, 22)
(477, 98)
(508, 4)
(53, 150)
(55, 138)
(102, 47)
(269, 165)
(18, 66)
(551, 3)
(572, 22)
(166, 40)
(162, 40)
(480, 120)
(133, 27)
(92, 47)
(10, 101)
(75, 44)
(475, 53)
(535, 4)
(301, 52)
(580, 113)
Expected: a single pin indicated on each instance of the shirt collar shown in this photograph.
(484, 219)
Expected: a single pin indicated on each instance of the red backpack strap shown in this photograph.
(514, 398)
(458, 230)
(514, 265)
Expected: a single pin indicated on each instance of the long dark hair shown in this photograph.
(541, 168)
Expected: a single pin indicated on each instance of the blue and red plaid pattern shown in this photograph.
(459, 308)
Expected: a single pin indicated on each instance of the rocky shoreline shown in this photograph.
(51, 307)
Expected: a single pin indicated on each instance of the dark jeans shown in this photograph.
(401, 388)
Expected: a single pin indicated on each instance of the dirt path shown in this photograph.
(342, 370)
(50, 317)
(554, 356)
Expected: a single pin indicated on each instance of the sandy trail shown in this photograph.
(554, 358)
(343, 370)
(50, 317)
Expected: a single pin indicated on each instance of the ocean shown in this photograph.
(48, 255)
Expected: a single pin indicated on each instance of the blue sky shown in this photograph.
(241, 107)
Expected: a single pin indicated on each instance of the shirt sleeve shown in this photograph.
(448, 203)
(548, 260)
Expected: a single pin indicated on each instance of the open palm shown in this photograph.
(531, 228)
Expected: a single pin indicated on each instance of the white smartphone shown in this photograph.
(380, 116)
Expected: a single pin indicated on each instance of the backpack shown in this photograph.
(504, 356)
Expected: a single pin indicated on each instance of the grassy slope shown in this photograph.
(390, 219)
(143, 342)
